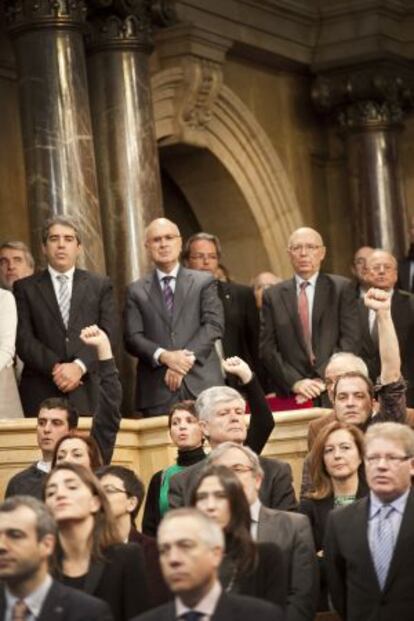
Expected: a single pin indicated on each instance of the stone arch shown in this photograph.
(217, 120)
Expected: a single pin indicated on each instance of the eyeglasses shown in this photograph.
(201, 256)
(384, 267)
(156, 241)
(390, 460)
(309, 248)
(111, 489)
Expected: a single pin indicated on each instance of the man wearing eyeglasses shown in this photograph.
(382, 273)
(173, 318)
(369, 544)
(306, 319)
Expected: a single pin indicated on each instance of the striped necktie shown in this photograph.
(168, 293)
(64, 298)
(383, 541)
(303, 309)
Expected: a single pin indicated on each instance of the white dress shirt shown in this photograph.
(34, 601)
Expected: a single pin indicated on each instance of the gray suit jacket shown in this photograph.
(196, 323)
(292, 533)
(335, 327)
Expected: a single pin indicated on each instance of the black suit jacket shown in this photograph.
(402, 312)
(196, 323)
(229, 608)
(65, 604)
(404, 268)
(43, 341)
(335, 327)
(352, 579)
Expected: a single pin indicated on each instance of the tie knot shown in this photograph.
(303, 285)
(20, 611)
(386, 510)
(191, 615)
(62, 278)
(166, 280)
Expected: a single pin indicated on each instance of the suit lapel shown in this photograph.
(405, 541)
(155, 297)
(183, 285)
(79, 292)
(265, 521)
(45, 287)
(320, 303)
(2, 602)
(54, 604)
(94, 576)
(290, 300)
(360, 540)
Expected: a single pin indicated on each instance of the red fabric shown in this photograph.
(282, 404)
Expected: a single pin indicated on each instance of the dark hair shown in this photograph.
(353, 374)
(94, 453)
(134, 487)
(186, 406)
(45, 522)
(203, 237)
(60, 403)
(322, 483)
(240, 546)
(64, 221)
(105, 531)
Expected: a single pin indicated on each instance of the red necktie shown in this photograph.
(303, 308)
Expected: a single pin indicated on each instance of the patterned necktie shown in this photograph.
(303, 309)
(191, 615)
(168, 293)
(383, 543)
(20, 611)
(64, 298)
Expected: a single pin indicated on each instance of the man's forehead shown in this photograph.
(381, 256)
(22, 518)
(162, 227)
(12, 253)
(233, 456)
(352, 384)
(306, 235)
(178, 529)
(230, 405)
(49, 414)
(385, 444)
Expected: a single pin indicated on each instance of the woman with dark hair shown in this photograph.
(77, 448)
(89, 555)
(186, 435)
(336, 468)
(248, 568)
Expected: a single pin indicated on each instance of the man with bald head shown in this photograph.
(306, 319)
(382, 273)
(173, 317)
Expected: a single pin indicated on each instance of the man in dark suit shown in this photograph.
(406, 265)
(191, 549)
(56, 417)
(368, 545)
(221, 412)
(53, 306)
(290, 531)
(306, 319)
(382, 273)
(173, 318)
(27, 540)
(241, 318)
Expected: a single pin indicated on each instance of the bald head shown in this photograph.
(163, 244)
(382, 269)
(306, 252)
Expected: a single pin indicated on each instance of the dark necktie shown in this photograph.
(20, 611)
(303, 309)
(191, 615)
(168, 293)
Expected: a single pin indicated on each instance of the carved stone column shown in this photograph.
(57, 132)
(119, 43)
(369, 106)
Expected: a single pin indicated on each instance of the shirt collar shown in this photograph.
(44, 466)
(312, 280)
(255, 510)
(173, 272)
(54, 273)
(35, 600)
(398, 504)
(206, 606)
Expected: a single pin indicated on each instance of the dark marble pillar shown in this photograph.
(369, 106)
(56, 125)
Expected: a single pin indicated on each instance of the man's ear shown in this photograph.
(204, 428)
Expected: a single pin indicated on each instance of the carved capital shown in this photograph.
(24, 15)
(120, 24)
(368, 97)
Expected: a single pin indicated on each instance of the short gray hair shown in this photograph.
(208, 400)
(210, 532)
(63, 221)
(45, 522)
(360, 365)
(19, 245)
(201, 237)
(222, 448)
(395, 432)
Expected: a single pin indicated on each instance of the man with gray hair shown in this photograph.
(290, 531)
(221, 413)
(16, 262)
(191, 548)
(27, 591)
(369, 544)
(53, 306)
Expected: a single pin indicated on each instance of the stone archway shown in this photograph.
(193, 107)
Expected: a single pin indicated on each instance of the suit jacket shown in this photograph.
(402, 312)
(292, 533)
(10, 406)
(43, 340)
(352, 578)
(65, 604)
(404, 268)
(229, 608)
(276, 490)
(334, 328)
(196, 323)
(241, 323)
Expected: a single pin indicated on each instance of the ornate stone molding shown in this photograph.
(29, 14)
(120, 24)
(366, 97)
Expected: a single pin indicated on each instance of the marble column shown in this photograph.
(369, 108)
(56, 124)
(118, 44)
